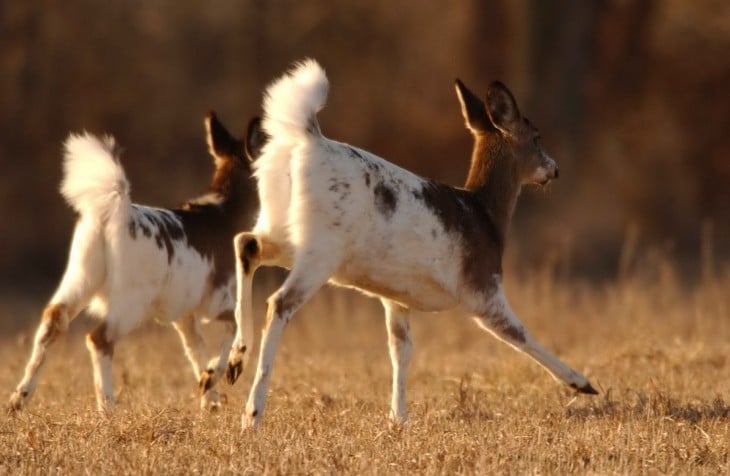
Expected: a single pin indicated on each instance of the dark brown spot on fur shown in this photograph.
(56, 318)
(504, 327)
(285, 302)
(313, 127)
(367, 179)
(145, 230)
(53, 314)
(134, 224)
(160, 243)
(226, 316)
(386, 199)
(515, 334)
(400, 331)
(251, 248)
(209, 228)
(249, 253)
(206, 381)
(169, 230)
(372, 166)
(354, 153)
(461, 215)
(100, 341)
(338, 186)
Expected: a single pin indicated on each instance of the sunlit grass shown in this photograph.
(658, 352)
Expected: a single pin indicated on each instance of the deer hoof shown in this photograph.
(234, 371)
(17, 399)
(587, 388)
(206, 381)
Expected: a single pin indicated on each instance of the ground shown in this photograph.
(657, 350)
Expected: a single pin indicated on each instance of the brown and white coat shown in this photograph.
(334, 213)
(130, 263)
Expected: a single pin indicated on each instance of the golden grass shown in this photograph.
(658, 354)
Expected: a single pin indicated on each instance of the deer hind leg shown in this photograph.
(54, 321)
(217, 366)
(83, 277)
(101, 349)
(308, 274)
(251, 251)
(400, 345)
(248, 251)
(188, 328)
(101, 341)
(504, 324)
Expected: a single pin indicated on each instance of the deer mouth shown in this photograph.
(547, 178)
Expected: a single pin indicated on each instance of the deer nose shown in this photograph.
(556, 173)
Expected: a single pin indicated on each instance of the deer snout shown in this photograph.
(547, 171)
(550, 166)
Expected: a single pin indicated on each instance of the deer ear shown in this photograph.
(256, 139)
(502, 108)
(221, 143)
(472, 108)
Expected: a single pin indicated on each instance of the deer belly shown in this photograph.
(420, 291)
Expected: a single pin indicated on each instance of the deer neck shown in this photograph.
(494, 182)
(233, 189)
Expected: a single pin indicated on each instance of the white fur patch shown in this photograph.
(356, 220)
(320, 195)
(123, 258)
(94, 183)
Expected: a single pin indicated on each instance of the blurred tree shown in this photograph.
(631, 98)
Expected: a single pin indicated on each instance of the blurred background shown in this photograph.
(632, 99)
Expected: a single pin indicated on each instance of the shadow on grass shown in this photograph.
(642, 405)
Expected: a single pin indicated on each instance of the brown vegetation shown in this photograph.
(630, 98)
(658, 352)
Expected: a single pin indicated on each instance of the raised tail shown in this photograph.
(292, 102)
(94, 183)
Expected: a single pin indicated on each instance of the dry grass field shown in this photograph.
(659, 354)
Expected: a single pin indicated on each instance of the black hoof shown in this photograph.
(587, 388)
(234, 371)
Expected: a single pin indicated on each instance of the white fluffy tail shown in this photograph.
(94, 183)
(292, 102)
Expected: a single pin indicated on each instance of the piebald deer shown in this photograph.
(131, 263)
(334, 213)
